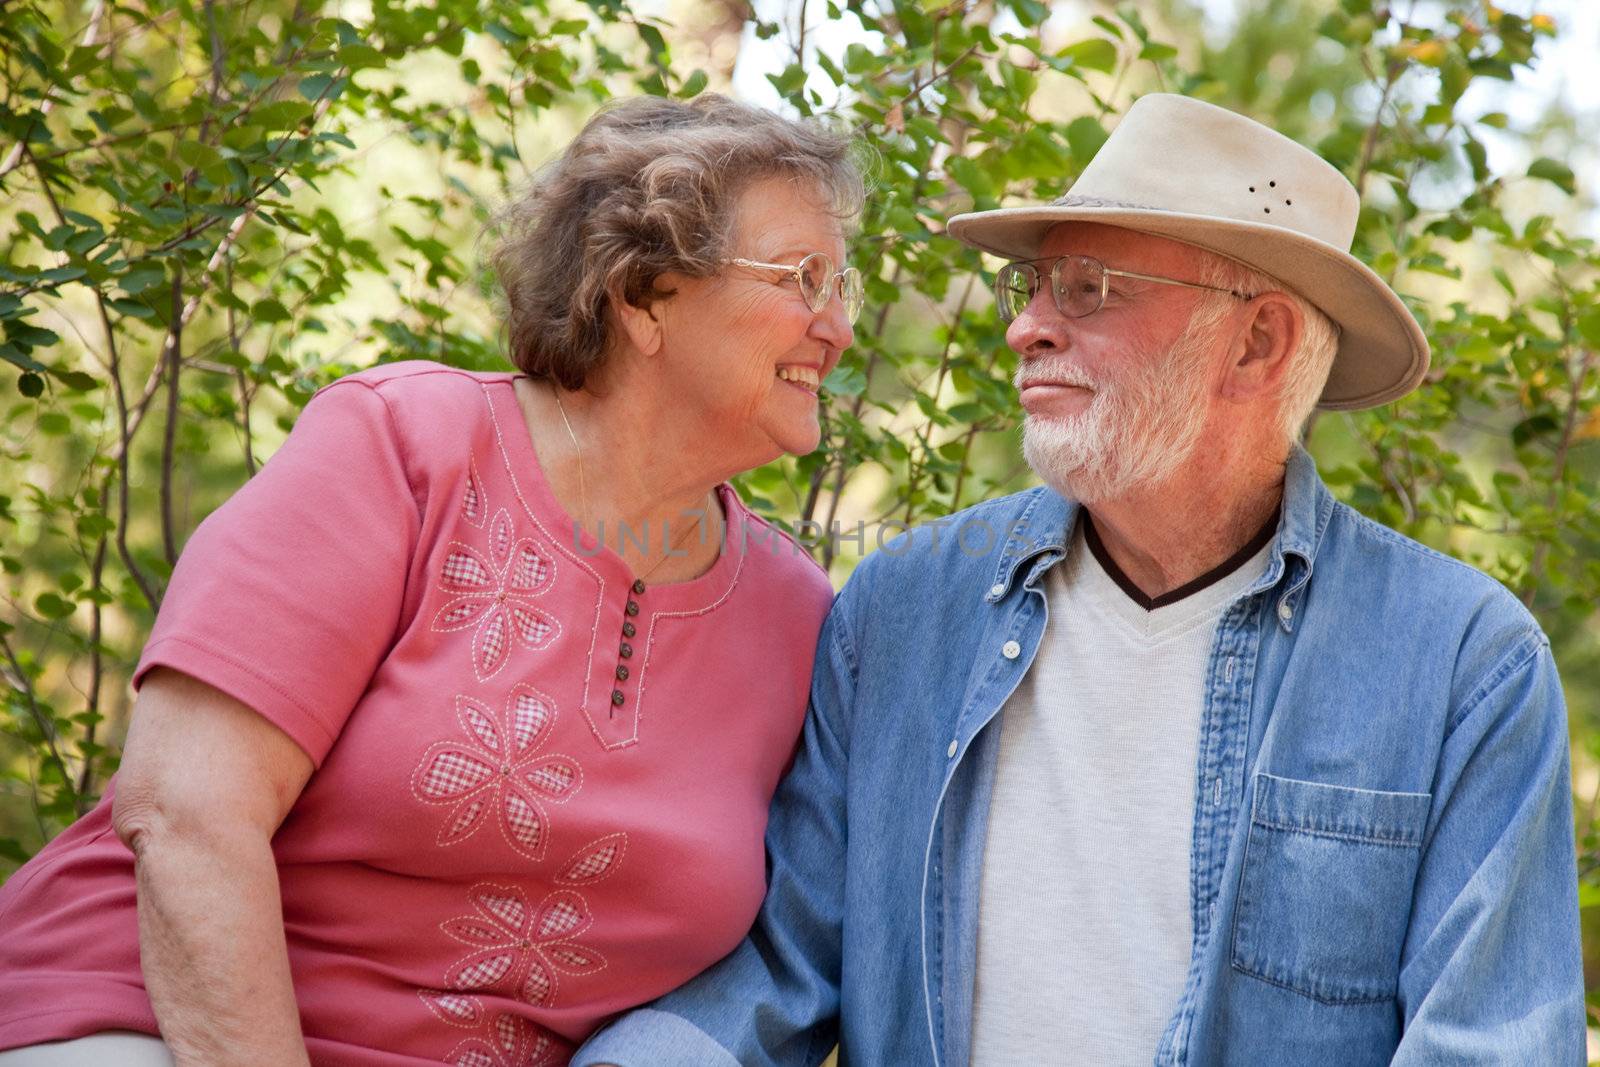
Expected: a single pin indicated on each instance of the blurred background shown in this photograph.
(208, 210)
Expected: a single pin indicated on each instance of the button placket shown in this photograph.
(625, 650)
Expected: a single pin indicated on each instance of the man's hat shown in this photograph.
(1201, 174)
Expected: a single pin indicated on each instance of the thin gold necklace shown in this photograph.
(583, 491)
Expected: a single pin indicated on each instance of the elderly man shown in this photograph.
(1198, 766)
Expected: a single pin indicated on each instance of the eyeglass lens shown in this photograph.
(817, 281)
(1077, 284)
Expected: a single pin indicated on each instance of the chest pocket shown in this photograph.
(1325, 896)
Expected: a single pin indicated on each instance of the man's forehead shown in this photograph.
(1116, 245)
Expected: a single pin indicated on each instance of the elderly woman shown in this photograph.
(458, 726)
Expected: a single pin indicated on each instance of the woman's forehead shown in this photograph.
(780, 214)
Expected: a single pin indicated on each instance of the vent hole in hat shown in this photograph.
(1252, 188)
(1289, 203)
(1272, 185)
(1268, 210)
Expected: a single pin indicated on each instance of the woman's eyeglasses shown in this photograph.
(819, 282)
(1078, 284)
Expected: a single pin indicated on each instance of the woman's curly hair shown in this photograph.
(648, 186)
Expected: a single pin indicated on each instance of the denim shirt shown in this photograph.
(1382, 866)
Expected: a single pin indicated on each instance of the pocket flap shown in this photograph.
(1340, 810)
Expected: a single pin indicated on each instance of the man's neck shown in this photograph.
(1166, 535)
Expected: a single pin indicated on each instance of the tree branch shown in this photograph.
(172, 356)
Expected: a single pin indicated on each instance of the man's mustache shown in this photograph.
(1054, 374)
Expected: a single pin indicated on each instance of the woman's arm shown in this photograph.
(204, 784)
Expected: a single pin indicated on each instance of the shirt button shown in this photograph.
(996, 589)
(638, 585)
(632, 608)
(622, 674)
(1285, 612)
(1011, 650)
(951, 751)
(617, 697)
(626, 650)
(627, 629)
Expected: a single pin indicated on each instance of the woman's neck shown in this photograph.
(630, 477)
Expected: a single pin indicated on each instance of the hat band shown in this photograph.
(1069, 200)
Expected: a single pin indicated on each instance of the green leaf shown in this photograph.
(29, 336)
(141, 278)
(60, 274)
(1589, 326)
(1555, 172)
(1096, 53)
(655, 42)
(269, 311)
(693, 86)
(131, 308)
(280, 114)
(1085, 135)
(845, 381)
(53, 607)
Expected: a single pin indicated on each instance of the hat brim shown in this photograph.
(1382, 353)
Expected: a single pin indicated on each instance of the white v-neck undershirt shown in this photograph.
(1084, 928)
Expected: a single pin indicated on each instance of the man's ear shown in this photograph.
(641, 324)
(1270, 337)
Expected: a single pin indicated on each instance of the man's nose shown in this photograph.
(1040, 329)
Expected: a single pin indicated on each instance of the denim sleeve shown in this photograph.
(1492, 969)
(774, 1000)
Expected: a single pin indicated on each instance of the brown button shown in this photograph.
(622, 673)
(638, 585)
(617, 697)
(627, 629)
(632, 608)
(626, 650)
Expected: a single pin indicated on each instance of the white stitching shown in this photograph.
(657, 616)
(509, 761)
(516, 489)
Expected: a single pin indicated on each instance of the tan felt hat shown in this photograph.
(1201, 174)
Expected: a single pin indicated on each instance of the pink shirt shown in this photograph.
(531, 809)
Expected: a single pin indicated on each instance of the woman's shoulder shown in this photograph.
(775, 559)
(430, 406)
(423, 380)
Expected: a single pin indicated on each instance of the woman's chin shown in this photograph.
(790, 433)
(804, 440)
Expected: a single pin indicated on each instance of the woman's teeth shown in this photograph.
(806, 376)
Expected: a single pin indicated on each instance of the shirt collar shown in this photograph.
(1307, 507)
(1039, 533)
(1040, 530)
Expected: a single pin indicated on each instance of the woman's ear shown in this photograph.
(641, 324)
(1263, 348)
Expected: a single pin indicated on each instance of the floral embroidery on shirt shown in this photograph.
(457, 1009)
(512, 1042)
(520, 947)
(594, 861)
(490, 591)
(497, 772)
(473, 507)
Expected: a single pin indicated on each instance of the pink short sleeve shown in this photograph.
(288, 596)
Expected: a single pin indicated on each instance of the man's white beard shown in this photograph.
(1139, 428)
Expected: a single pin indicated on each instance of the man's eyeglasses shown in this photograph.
(1078, 283)
(819, 282)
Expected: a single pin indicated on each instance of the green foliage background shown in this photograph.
(209, 210)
